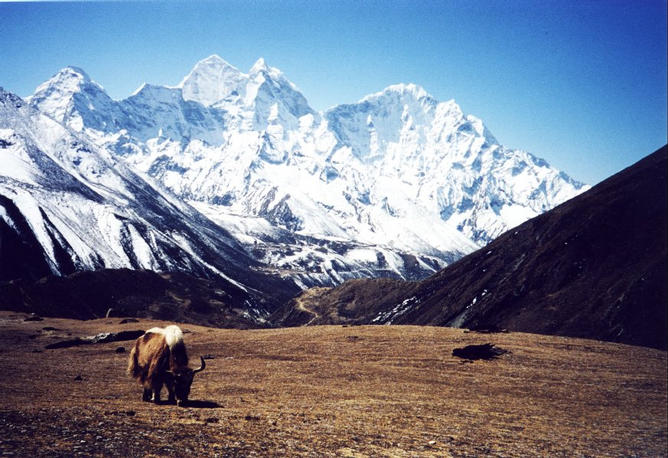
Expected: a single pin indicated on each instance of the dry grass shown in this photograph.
(339, 391)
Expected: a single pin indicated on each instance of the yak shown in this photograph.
(159, 358)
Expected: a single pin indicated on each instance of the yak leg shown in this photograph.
(168, 380)
(146, 397)
(172, 397)
(171, 392)
(157, 387)
(155, 379)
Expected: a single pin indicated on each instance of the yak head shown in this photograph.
(181, 381)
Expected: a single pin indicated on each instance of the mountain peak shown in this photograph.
(210, 80)
(68, 80)
(152, 90)
(212, 64)
(77, 72)
(401, 90)
(7, 97)
(259, 66)
(56, 96)
(410, 88)
(213, 59)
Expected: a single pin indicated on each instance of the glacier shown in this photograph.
(397, 184)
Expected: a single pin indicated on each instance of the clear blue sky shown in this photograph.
(580, 83)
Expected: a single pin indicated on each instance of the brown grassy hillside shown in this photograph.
(333, 391)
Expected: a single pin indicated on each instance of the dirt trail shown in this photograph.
(308, 294)
(333, 391)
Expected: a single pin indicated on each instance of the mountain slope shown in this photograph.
(67, 205)
(174, 296)
(397, 184)
(593, 267)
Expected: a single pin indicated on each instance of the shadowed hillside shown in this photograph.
(593, 267)
(172, 296)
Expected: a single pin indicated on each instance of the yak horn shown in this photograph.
(201, 368)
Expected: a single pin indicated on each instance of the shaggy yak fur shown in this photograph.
(159, 358)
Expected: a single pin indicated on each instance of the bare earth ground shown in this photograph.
(333, 391)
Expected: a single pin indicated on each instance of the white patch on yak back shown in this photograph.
(172, 333)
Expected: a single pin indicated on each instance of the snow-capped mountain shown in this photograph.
(397, 184)
(67, 204)
(602, 279)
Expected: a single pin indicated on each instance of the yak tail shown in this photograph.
(133, 364)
